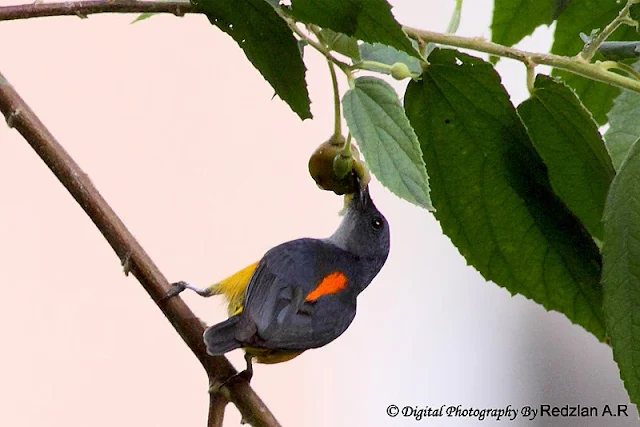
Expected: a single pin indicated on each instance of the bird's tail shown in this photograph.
(221, 338)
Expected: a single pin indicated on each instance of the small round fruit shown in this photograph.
(321, 168)
(400, 71)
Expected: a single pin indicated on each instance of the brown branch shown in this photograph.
(217, 403)
(84, 8)
(133, 257)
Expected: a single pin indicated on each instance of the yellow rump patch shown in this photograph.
(234, 287)
(331, 284)
(270, 356)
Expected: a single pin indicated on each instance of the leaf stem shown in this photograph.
(346, 150)
(454, 21)
(531, 78)
(337, 115)
(326, 52)
(371, 66)
(623, 17)
(613, 65)
(376, 66)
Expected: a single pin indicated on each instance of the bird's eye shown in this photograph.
(376, 223)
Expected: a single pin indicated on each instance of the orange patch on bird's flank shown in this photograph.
(331, 284)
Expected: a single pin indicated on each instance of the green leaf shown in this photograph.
(515, 19)
(621, 271)
(585, 16)
(492, 193)
(301, 45)
(147, 15)
(341, 43)
(595, 96)
(634, 13)
(567, 139)
(561, 5)
(268, 43)
(142, 17)
(624, 125)
(377, 121)
(388, 55)
(367, 20)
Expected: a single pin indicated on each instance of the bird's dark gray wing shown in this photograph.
(275, 309)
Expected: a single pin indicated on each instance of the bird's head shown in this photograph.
(364, 231)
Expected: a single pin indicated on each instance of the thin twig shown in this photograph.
(591, 71)
(84, 8)
(311, 42)
(623, 17)
(20, 116)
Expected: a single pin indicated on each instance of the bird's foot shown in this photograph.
(176, 289)
(245, 376)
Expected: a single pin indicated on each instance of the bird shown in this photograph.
(302, 293)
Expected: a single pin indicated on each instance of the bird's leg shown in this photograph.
(245, 375)
(248, 373)
(178, 287)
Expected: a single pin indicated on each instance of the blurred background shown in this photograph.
(182, 137)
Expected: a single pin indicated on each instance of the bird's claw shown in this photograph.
(216, 385)
(176, 289)
(245, 375)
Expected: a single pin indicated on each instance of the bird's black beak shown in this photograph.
(361, 195)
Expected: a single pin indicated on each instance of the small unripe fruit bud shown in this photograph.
(342, 165)
(400, 71)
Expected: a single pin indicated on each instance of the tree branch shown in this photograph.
(217, 403)
(133, 257)
(84, 8)
(591, 71)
